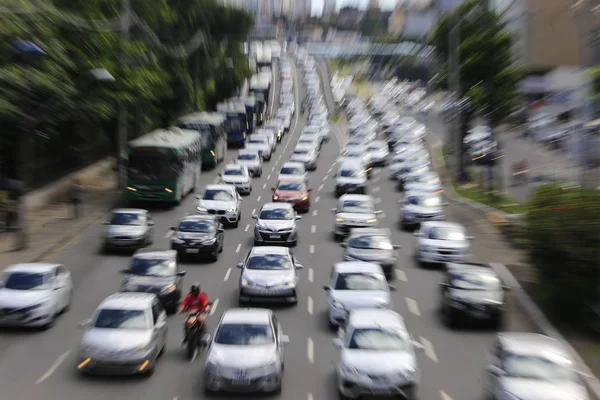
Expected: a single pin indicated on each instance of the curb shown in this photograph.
(543, 324)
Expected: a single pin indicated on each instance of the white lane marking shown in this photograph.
(258, 199)
(311, 249)
(309, 305)
(413, 307)
(325, 178)
(217, 179)
(309, 396)
(61, 359)
(313, 229)
(311, 274)
(401, 275)
(237, 249)
(315, 212)
(264, 185)
(320, 188)
(253, 211)
(310, 351)
(317, 199)
(445, 395)
(247, 227)
(175, 398)
(376, 179)
(429, 350)
(268, 176)
(227, 274)
(272, 169)
(376, 189)
(168, 234)
(213, 308)
(330, 169)
(377, 200)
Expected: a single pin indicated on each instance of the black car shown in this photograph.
(155, 271)
(198, 236)
(371, 245)
(472, 292)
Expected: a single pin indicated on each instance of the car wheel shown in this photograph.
(337, 237)
(214, 257)
(341, 396)
(50, 323)
(449, 317)
(242, 302)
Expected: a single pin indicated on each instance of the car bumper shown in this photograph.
(116, 366)
(478, 312)
(344, 230)
(435, 257)
(111, 243)
(268, 383)
(227, 217)
(355, 389)
(275, 237)
(195, 250)
(25, 319)
(263, 294)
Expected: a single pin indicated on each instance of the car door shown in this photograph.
(66, 282)
(59, 290)
(277, 331)
(159, 318)
(494, 359)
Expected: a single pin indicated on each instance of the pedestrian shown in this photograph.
(77, 198)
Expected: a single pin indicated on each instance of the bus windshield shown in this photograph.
(206, 131)
(153, 165)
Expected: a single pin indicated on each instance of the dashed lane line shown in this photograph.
(313, 229)
(269, 177)
(401, 275)
(317, 199)
(315, 213)
(309, 305)
(61, 359)
(377, 200)
(382, 215)
(227, 274)
(310, 351)
(253, 211)
(213, 308)
(311, 249)
(376, 179)
(311, 274)
(429, 350)
(309, 396)
(413, 307)
(168, 234)
(325, 178)
(320, 188)
(258, 199)
(445, 395)
(264, 185)
(237, 249)
(246, 228)
(376, 189)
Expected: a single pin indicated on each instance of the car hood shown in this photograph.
(378, 362)
(530, 389)
(154, 281)
(248, 163)
(125, 230)
(446, 244)
(199, 236)
(116, 339)
(269, 278)
(423, 210)
(235, 179)
(423, 187)
(10, 298)
(342, 180)
(369, 254)
(218, 204)
(290, 176)
(290, 194)
(378, 154)
(355, 299)
(241, 357)
(276, 224)
(301, 157)
(478, 296)
(355, 217)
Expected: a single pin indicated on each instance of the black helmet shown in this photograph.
(195, 287)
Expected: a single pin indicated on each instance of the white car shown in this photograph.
(354, 211)
(221, 200)
(271, 135)
(33, 295)
(529, 365)
(439, 241)
(238, 176)
(251, 160)
(361, 156)
(353, 285)
(307, 155)
(377, 356)
(261, 144)
(246, 352)
(418, 207)
(315, 135)
(310, 140)
(276, 126)
(351, 177)
(378, 151)
(294, 170)
(427, 181)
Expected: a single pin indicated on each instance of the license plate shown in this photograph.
(265, 292)
(380, 389)
(241, 381)
(150, 195)
(275, 236)
(192, 250)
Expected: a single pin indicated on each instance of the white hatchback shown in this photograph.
(439, 241)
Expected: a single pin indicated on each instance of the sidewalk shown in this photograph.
(53, 227)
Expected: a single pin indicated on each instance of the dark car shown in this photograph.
(157, 272)
(472, 292)
(371, 245)
(198, 236)
(293, 191)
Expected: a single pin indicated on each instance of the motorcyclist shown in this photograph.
(195, 301)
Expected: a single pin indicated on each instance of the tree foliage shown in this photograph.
(562, 229)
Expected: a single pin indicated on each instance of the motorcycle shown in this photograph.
(194, 325)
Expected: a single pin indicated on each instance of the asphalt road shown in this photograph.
(41, 365)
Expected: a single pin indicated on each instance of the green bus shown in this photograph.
(213, 128)
(163, 165)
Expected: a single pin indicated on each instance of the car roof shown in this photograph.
(129, 211)
(292, 164)
(357, 266)
(303, 146)
(370, 232)
(220, 186)
(362, 197)
(246, 316)
(275, 206)
(128, 301)
(441, 224)
(363, 318)
(533, 344)
(34, 268)
(262, 250)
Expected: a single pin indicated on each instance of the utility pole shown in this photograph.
(122, 118)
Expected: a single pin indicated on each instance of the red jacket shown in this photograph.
(195, 303)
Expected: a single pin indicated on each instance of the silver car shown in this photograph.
(238, 176)
(126, 336)
(252, 160)
(440, 241)
(261, 144)
(246, 352)
(417, 207)
(276, 223)
(269, 273)
(372, 245)
(377, 356)
(378, 150)
(307, 155)
(221, 200)
(530, 365)
(292, 170)
(354, 211)
(427, 181)
(128, 228)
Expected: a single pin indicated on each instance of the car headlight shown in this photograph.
(371, 221)
(338, 305)
(201, 209)
(408, 374)
(230, 209)
(210, 241)
(338, 219)
(210, 366)
(304, 198)
(177, 239)
(290, 284)
(347, 370)
(425, 249)
(246, 282)
(168, 289)
(275, 197)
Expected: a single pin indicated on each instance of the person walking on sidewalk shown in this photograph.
(77, 198)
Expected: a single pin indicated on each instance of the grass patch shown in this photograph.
(336, 117)
(495, 200)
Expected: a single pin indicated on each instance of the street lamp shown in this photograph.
(30, 53)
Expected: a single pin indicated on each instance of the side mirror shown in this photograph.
(397, 246)
(333, 210)
(106, 223)
(239, 265)
(492, 369)
(309, 190)
(285, 339)
(172, 228)
(205, 339)
(417, 234)
(443, 285)
(299, 266)
(273, 189)
(417, 346)
(337, 343)
(220, 230)
(344, 245)
(124, 271)
(506, 288)
(378, 212)
(470, 237)
(85, 323)
(392, 288)
(151, 223)
(326, 288)
(182, 273)
(298, 218)
(255, 217)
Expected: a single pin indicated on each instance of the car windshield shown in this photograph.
(127, 219)
(353, 154)
(356, 206)
(446, 233)
(234, 172)
(201, 226)
(244, 334)
(360, 281)
(291, 186)
(269, 262)
(539, 368)
(377, 339)
(261, 140)
(277, 213)
(375, 147)
(474, 281)
(152, 266)
(291, 171)
(349, 173)
(121, 319)
(301, 151)
(247, 157)
(26, 281)
(218, 195)
(375, 242)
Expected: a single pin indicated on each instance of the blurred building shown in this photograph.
(373, 6)
(301, 10)
(586, 15)
(286, 8)
(444, 6)
(329, 7)
(396, 22)
(349, 18)
(418, 22)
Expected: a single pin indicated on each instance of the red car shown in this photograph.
(294, 191)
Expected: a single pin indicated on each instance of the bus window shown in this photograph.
(155, 165)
